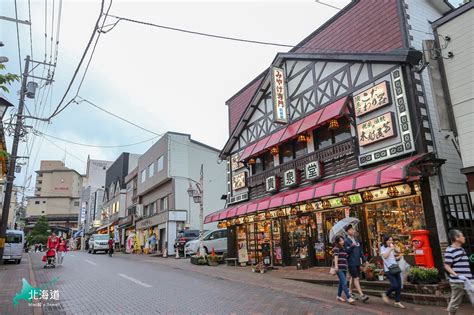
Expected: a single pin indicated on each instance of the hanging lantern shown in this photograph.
(326, 204)
(333, 124)
(274, 150)
(345, 200)
(392, 191)
(303, 137)
(417, 187)
(268, 215)
(246, 220)
(280, 213)
(227, 224)
(367, 196)
(309, 207)
(251, 161)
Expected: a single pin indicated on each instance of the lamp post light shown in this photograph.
(197, 195)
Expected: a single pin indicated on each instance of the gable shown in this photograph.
(312, 85)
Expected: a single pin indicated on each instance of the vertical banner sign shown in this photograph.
(280, 114)
(319, 217)
(83, 213)
(347, 212)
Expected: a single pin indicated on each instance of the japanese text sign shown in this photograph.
(239, 181)
(280, 114)
(313, 170)
(376, 129)
(371, 99)
(290, 177)
(271, 184)
(235, 162)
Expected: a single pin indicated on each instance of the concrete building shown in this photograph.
(164, 174)
(57, 196)
(113, 205)
(127, 224)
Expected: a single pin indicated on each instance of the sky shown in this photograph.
(159, 79)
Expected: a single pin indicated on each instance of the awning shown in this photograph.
(397, 171)
(320, 117)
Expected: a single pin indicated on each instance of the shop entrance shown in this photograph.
(161, 243)
(299, 235)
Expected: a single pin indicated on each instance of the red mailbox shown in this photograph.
(421, 245)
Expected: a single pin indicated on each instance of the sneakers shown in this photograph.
(340, 299)
(353, 296)
(399, 305)
(364, 298)
(351, 301)
(385, 298)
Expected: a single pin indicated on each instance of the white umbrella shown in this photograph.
(339, 227)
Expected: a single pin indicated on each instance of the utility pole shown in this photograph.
(13, 157)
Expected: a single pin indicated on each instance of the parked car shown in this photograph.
(98, 242)
(183, 237)
(216, 239)
(14, 246)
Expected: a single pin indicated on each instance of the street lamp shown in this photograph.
(197, 195)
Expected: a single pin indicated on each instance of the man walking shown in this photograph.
(354, 260)
(456, 265)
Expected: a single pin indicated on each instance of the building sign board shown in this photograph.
(313, 170)
(376, 129)
(381, 193)
(235, 162)
(280, 114)
(239, 181)
(372, 99)
(289, 177)
(174, 215)
(96, 223)
(271, 184)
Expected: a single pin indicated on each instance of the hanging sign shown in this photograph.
(347, 212)
(376, 129)
(319, 217)
(313, 170)
(372, 99)
(280, 114)
(239, 181)
(271, 184)
(290, 177)
(235, 162)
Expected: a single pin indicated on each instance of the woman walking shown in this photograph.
(340, 264)
(392, 270)
(62, 249)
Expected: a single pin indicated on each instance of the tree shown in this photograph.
(40, 232)
(6, 79)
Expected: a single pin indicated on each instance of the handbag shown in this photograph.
(394, 269)
(332, 270)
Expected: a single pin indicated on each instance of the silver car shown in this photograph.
(99, 242)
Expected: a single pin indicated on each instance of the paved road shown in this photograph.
(98, 284)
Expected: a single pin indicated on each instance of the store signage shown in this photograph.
(174, 215)
(261, 216)
(379, 194)
(153, 220)
(290, 177)
(355, 198)
(376, 129)
(239, 181)
(280, 114)
(83, 212)
(319, 217)
(271, 184)
(336, 202)
(235, 162)
(313, 170)
(371, 99)
(96, 223)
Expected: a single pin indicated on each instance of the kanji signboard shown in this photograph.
(271, 184)
(376, 129)
(313, 170)
(290, 177)
(239, 181)
(280, 114)
(371, 99)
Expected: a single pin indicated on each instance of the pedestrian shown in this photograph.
(340, 264)
(36, 247)
(153, 243)
(456, 265)
(62, 249)
(111, 246)
(355, 257)
(392, 271)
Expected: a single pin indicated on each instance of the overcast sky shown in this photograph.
(160, 79)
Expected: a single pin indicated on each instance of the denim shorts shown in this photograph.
(354, 271)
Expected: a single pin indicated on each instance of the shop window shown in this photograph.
(286, 153)
(323, 137)
(268, 161)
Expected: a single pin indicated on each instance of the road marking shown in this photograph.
(90, 262)
(135, 280)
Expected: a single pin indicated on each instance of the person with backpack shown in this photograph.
(392, 271)
(457, 267)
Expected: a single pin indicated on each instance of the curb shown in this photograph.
(36, 310)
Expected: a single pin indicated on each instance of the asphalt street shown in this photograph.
(99, 284)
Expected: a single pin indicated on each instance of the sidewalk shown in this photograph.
(11, 276)
(275, 280)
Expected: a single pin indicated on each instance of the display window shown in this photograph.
(396, 217)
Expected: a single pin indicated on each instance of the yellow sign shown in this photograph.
(371, 99)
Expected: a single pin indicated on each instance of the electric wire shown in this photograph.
(31, 36)
(18, 37)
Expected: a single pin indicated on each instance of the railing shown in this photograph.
(335, 151)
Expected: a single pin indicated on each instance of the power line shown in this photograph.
(18, 36)
(119, 117)
(31, 34)
(97, 146)
(327, 4)
(68, 153)
(96, 27)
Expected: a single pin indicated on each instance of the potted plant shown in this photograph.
(370, 272)
(423, 275)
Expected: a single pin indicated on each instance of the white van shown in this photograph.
(14, 246)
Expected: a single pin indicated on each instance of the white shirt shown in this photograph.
(390, 260)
